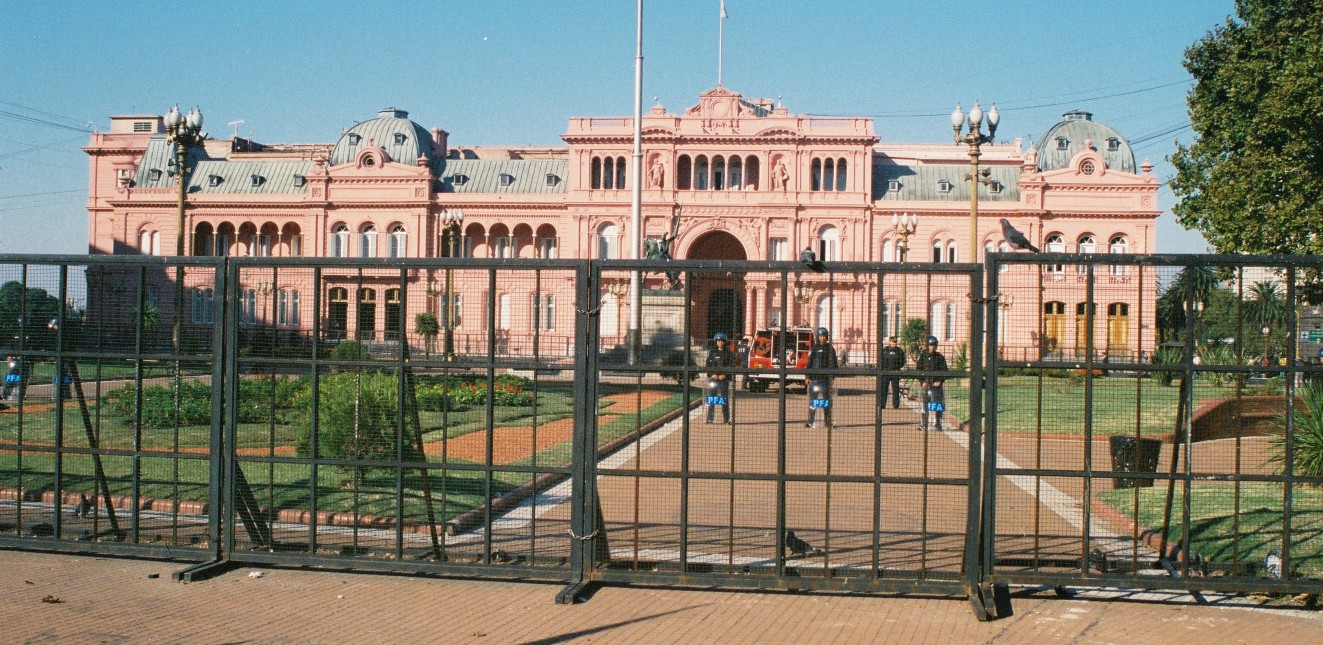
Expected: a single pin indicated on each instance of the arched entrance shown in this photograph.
(721, 295)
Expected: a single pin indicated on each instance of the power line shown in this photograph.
(50, 114)
(35, 121)
(53, 192)
(911, 115)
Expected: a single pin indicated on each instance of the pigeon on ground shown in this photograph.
(1097, 561)
(84, 506)
(797, 546)
(1015, 238)
(1272, 563)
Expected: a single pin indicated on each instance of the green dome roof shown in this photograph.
(403, 139)
(1066, 139)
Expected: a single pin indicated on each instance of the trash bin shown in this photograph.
(1132, 455)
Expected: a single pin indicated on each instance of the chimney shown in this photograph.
(440, 141)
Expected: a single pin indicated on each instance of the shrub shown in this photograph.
(1307, 451)
(1166, 356)
(356, 420)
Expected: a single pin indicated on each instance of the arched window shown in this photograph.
(609, 173)
(394, 314)
(337, 311)
(827, 312)
(751, 172)
(828, 174)
(700, 172)
(367, 315)
(340, 242)
(367, 247)
(1084, 312)
(1085, 245)
(620, 173)
(840, 174)
(815, 175)
(1118, 246)
(952, 252)
(608, 241)
(501, 247)
(683, 173)
(718, 173)
(736, 173)
(1055, 244)
(888, 251)
(224, 236)
(202, 240)
(597, 173)
(938, 247)
(292, 239)
(829, 244)
(399, 240)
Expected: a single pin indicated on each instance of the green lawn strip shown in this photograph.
(274, 485)
(1062, 409)
(619, 426)
(1213, 530)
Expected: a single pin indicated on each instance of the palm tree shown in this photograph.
(425, 325)
(1266, 306)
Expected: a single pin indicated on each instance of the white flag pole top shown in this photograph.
(721, 23)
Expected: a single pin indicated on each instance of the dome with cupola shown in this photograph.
(403, 140)
(1076, 130)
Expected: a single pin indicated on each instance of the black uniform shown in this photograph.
(16, 377)
(720, 357)
(893, 360)
(933, 393)
(821, 356)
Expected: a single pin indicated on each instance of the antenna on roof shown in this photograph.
(235, 124)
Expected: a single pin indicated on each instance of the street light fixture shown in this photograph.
(903, 225)
(450, 223)
(974, 138)
(183, 132)
(803, 293)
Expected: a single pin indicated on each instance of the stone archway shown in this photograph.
(721, 298)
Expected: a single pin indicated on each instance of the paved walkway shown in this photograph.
(106, 600)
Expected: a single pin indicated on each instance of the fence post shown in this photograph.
(587, 541)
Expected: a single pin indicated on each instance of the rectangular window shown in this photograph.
(503, 312)
(456, 312)
(778, 249)
(263, 246)
(248, 307)
(296, 246)
(950, 321)
(200, 312)
(287, 308)
(774, 317)
(546, 248)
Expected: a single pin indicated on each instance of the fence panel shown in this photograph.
(1153, 423)
(107, 414)
(722, 471)
(403, 415)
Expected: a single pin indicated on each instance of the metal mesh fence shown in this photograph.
(107, 408)
(1152, 422)
(745, 461)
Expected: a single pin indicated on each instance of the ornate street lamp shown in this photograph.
(903, 225)
(803, 293)
(183, 132)
(974, 138)
(450, 223)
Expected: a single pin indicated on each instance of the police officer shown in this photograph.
(742, 359)
(934, 397)
(822, 356)
(718, 378)
(893, 360)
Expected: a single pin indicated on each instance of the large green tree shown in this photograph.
(1252, 181)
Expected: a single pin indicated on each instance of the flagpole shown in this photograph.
(721, 24)
(635, 340)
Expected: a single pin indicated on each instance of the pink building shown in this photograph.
(751, 180)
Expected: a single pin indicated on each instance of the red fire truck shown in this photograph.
(772, 348)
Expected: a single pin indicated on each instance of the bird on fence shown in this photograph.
(1272, 563)
(797, 546)
(809, 259)
(1097, 561)
(1015, 238)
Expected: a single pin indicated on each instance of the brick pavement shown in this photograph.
(107, 600)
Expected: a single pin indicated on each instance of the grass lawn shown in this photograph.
(282, 485)
(1213, 530)
(1056, 405)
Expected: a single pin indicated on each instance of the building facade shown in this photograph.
(749, 180)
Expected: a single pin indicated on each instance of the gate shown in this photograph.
(96, 454)
(679, 491)
(1153, 423)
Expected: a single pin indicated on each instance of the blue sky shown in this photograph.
(512, 72)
